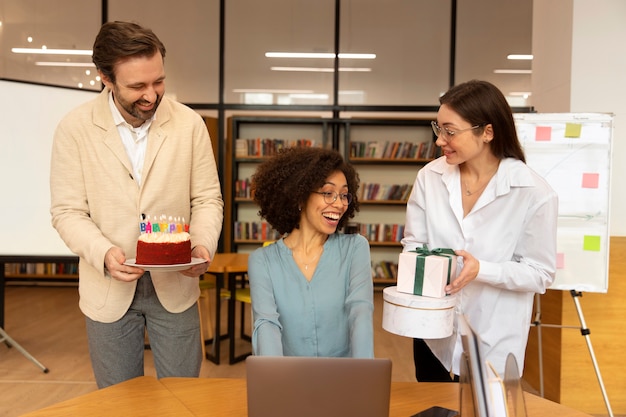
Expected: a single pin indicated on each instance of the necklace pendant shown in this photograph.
(306, 267)
(467, 192)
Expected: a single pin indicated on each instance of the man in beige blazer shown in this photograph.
(130, 153)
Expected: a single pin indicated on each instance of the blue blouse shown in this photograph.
(330, 316)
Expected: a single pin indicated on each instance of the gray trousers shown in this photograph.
(117, 349)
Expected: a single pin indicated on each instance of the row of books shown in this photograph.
(242, 188)
(258, 147)
(384, 270)
(381, 192)
(393, 150)
(41, 268)
(367, 191)
(261, 231)
(379, 232)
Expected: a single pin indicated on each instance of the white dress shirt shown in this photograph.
(511, 231)
(135, 139)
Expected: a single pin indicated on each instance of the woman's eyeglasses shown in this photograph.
(331, 196)
(447, 133)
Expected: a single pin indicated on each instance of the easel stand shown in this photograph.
(4, 337)
(584, 331)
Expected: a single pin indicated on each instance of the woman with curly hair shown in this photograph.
(312, 291)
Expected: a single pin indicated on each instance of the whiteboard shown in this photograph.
(29, 115)
(573, 153)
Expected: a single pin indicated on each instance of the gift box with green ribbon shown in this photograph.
(426, 272)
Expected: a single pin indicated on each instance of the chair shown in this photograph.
(242, 295)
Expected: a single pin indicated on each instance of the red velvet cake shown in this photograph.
(163, 249)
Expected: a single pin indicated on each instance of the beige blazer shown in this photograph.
(96, 203)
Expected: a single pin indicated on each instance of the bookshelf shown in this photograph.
(387, 154)
(252, 139)
(41, 270)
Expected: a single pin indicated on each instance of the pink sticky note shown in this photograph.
(543, 133)
(590, 180)
(560, 260)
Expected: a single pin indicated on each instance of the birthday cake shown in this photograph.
(162, 248)
(163, 241)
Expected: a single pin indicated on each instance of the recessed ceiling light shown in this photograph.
(45, 51)
(269, 90)
(524, 94)
(512, 71)
(315, 69)
(320, 55)
(522, 57)
(64, 64)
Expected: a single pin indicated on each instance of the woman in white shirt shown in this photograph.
(482, 200)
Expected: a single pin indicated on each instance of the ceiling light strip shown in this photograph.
(522, 57)
(318, 55)
(46, 51)
(512, 71)
(317, 69)
(65, 64)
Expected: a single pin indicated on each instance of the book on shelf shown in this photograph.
(381, 232)
(384, 192)
(261, 231)
(257, 147)
(242, 188)
(389, 150)
(40, 268)
(384, 270)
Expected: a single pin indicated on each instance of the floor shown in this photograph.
(46, 321)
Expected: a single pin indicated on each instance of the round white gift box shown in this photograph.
(416, 316)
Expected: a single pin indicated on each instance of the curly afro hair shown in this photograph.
(282, 184)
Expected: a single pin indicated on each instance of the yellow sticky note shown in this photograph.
(591, 243)
(572, 130)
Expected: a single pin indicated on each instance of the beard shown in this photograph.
(132, 109)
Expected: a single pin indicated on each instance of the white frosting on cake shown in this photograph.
(160, 237)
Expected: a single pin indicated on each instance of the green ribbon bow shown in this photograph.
(420, 263)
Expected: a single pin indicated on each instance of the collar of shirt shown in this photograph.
(511, 173)
(134, 139)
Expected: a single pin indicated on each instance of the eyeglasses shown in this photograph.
(331, 196)
(447, 133)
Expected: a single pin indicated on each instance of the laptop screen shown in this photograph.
(295, 386)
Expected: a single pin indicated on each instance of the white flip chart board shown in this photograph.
(573, 153)
(29, 115)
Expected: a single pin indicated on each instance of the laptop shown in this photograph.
(296, 386)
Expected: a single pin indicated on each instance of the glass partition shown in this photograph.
(190, 31)
(410, 41)
(487, 32)
(43, 41)
(255, 28)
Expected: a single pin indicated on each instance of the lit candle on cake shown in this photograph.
(163, 223)
(172, 225)
(142, 225)
(148, 225)
(155, 225)
(179, 226)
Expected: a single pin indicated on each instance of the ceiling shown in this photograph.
(411, 40)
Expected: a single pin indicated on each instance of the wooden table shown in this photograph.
(226, 267)
(208, 397)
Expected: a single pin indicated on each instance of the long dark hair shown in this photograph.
(482, 103)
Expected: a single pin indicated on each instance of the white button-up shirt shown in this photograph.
(135, 140)
(511, 231)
